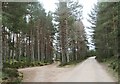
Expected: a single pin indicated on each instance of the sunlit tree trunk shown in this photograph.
(29, 46)
(13, 49)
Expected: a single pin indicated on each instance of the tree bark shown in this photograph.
(0, 39)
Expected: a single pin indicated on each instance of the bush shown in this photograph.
(114, 65)
(11, 76)
(11, 72)
(22, 64)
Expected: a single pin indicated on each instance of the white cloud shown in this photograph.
(49, 5)
(87, 7)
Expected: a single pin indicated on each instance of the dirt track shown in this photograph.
(88, 71)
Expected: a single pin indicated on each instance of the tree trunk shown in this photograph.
(38, 41)
(42, 45)
(3, 44)
(29, 46)
(0, 43)
(13, 50)
(32, 46)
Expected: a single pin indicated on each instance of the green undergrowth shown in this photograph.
(69, 63)
(112, 63)
(113, 66)
(17, 64)
(11, 76)
(73, 63)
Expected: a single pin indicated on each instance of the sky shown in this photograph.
(50, 5)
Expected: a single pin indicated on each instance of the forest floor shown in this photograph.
(87, 71)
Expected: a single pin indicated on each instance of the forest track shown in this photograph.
(87, 71)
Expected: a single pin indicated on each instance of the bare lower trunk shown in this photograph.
(26, 49)
(20, 46)
(0, 42)
(3, 48)
(38, 44)
(13, 53)
(42, 46)
(42, 51)
(17, 46)
(29, 47)
(32, 46)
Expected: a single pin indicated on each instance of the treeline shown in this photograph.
(31, 37)
(106, 31)
(71, 41)
(104, 19)
(27, 33)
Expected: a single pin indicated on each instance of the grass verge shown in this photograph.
(111, 65)
(11, 76)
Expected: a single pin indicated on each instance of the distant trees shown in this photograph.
(106, 30)
(109, 29)
(104, 18)
(71, 34)
(27, 33)
(30, 36)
